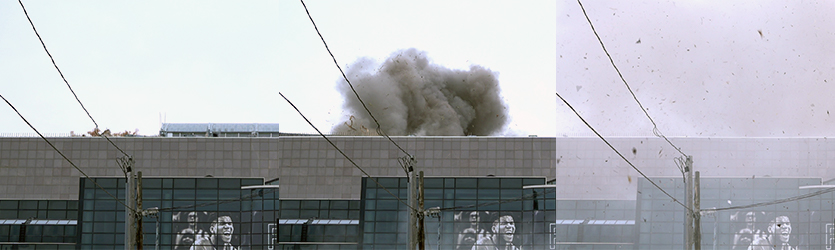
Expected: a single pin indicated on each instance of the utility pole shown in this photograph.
(412, 212)
(140, 232)
(697, 220)
(129, 214)
(408, 165)
(421, 230)
(688, 196)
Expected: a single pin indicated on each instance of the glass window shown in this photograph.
(105, 216)
(27, 213)
(290, 214)
(488, 183)
(386, 227)
(34, 233)
(151, 183)
(385, 216)
(206, 183)
(151, 194)
(57, 204)
(531, 181)
(467, 194)
(289, 204)
(28, 204)
(72, 205)
(370, 204)
(183, 194)
(104, 227)
(339, 214)
(304, 214)
(387, 204)
(466, 183)
(339, 204)
(230, 207)
(310, 204)
(103, 239)
(490, 194)
(433, 193)
(56, 214)
(511, 183)
(251, 182)
(511, 193)
(433, 183)
(388, 182)
(107, 183)
(449, 182)
(229, 183)
(371, 193)
(184, 183)
(206, 194)
(8, 214)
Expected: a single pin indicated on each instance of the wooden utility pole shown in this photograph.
(421, 230)
(688, 196)
(697, 220)
(129, 209)
(412, 212)
(140, 233)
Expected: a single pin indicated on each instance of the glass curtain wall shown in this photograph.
(213, 212)
(482, 212)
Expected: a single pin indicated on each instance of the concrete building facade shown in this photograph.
(587, 174)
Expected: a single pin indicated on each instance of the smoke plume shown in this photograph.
(411, 96)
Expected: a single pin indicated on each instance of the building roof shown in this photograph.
(218, 127)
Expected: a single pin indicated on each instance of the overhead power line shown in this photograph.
(761, 204)
(379, 128)
(655, 129)
(242, 198)
(621, 155)
(62, 154)
(343, 153)
(490, 203)
(64, 78)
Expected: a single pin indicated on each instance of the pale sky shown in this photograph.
(702, 68)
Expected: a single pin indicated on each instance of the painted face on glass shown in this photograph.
(187, 237)
(504, 228)
(750, 219)
(191, 218)
(746, 236)
(783, 228)
(469, 236)
(223, 228)
(474, 218)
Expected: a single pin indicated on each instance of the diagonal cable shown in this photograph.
(344, 155)
(64, 78)
(655, 129)
(62, 154)
(379, 128)
(760, 204)
(621, 155)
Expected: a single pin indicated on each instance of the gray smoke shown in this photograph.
(411, 96)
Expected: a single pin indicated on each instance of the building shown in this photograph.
(219, 130)
(595, 200)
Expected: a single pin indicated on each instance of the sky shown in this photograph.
(701, 68)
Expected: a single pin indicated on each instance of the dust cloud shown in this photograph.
(409, 95)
